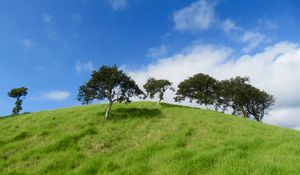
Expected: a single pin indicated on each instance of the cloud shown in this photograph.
(27, 43)
(200, 15)
(275, 70)
(267, 24)
(84, 66)
(76, 18)
(156, 52)
(285, 117)
(56, 95)
(229, 26)
(197, 16)
(47, 19)
(118, 4)
(252, 39)
(49, 28)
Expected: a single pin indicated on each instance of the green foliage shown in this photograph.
(111, 84)
(159, 87)
(243, 98)
(142, 138)
(236, 93)
(18, 93)
(200, 88)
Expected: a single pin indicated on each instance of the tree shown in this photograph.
(201, 87)
(244, 99)
(231, 93)
(111, 84)
(259, 102)
(18, 93)
(159, 87)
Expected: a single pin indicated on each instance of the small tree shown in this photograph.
(18, 93)
(159, 87)
(201, 87)
(111, 84)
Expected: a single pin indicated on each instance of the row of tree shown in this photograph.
(236, 93)
(113, 85)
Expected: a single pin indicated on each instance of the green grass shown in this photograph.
(143, 138)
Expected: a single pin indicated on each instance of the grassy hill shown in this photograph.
(143, 138)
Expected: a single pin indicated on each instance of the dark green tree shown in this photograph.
(231, 93)
(111, 84)
(159, 87)
(200, 88)
(259, 103)
(244, 99)
(19, 94)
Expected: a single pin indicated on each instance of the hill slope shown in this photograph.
(142, 138)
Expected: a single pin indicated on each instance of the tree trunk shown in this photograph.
(244, 112)
(107, 110)
(259, 119)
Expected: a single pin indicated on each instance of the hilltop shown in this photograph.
(143, 138)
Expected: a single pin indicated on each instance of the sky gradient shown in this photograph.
(51, 47)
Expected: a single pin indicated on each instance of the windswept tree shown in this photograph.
(19, 94)
(200, 88)
(232, 94)
(111, 84)
(159, 87)
(259, 103)
(244, 99)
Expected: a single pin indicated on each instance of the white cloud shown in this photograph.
(84, 66)
(267, 24)
(118, 4)
(156, 52)
(229, 26)
(76, 18)
(47, 19)
(286, 117)
(200, 15)
(252, 39)
(27, 43)
(275, 70)
(197, 16)
(56, 95)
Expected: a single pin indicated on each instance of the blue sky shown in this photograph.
(52, 46)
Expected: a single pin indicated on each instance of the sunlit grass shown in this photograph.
(143, 138)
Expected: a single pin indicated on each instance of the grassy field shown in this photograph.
(143, 138)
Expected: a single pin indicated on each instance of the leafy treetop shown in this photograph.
(244, 99)
(201, 87)
(18, 93)
(159, 87)
(111, 84)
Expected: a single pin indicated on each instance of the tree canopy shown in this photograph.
(18, 93)
(244, 99)
(235, 93)
(200, 88)
(159, 87)
(108, 83)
